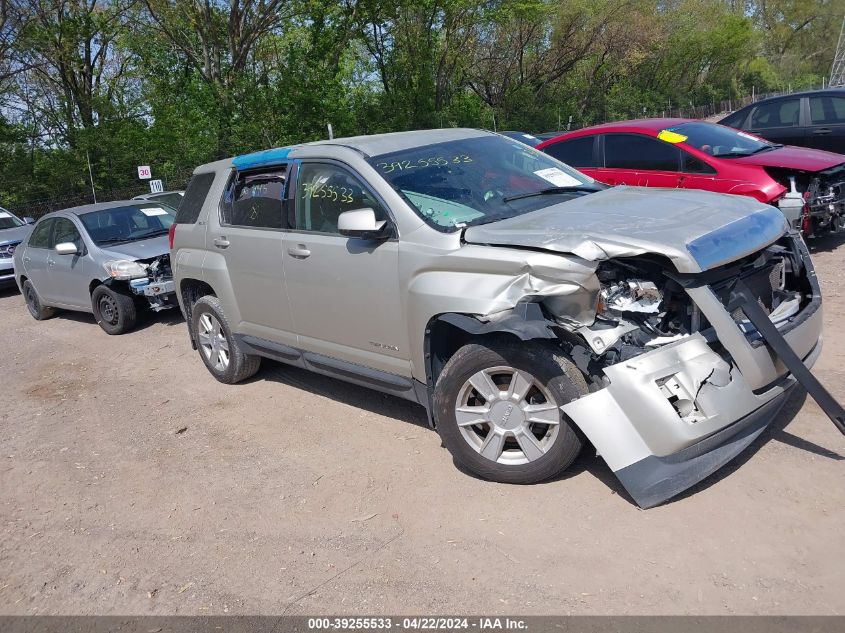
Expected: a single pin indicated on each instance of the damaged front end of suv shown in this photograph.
(696, 338)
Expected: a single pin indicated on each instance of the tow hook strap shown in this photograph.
(745, 299)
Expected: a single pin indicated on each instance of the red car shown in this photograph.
(808, 184)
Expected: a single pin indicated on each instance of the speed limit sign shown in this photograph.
(144, 172)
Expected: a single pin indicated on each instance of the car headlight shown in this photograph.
(125, 269)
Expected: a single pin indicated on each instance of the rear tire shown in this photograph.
(114, 310)
(510, 429)
(38, 311)
(223, 356)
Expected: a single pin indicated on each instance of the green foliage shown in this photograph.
(176, 83)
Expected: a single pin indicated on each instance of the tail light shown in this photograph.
(171, 233)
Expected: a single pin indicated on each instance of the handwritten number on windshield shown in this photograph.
(436, 161)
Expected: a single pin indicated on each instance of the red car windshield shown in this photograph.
(720, 141)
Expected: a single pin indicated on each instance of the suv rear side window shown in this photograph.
(255, 200)
(635, 151)
(827, 110)
(195, 194)
(325, 191)
(40, 237)
(576, 152)
(782, 113)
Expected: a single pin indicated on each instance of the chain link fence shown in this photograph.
(38, 207)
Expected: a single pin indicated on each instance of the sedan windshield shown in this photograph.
(721, 141)
(8, 221)
(129, 223)
(479, 180)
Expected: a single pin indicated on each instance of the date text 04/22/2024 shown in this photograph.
(417, 624)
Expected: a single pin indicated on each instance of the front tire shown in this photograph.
(498, 410)
(38, 310)
(223, 356)
(115, 311)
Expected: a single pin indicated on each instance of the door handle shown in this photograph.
(300, 252)
(26, 260)
(821, 131)
(221, 242)
(51, 263)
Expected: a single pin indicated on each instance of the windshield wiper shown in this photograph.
(767, 148)
(585, 188)
(113, 240)
(155, 233)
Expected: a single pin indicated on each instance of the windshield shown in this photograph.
(478, 180)
(720, 141)
(129, 223)
(8, 221)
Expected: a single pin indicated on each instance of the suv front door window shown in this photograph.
(778, 121)
(344, 292)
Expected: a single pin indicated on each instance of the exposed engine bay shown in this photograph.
(643, 304)
(824, 197)
(157, 287)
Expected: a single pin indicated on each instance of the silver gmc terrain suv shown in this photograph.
(528, 308)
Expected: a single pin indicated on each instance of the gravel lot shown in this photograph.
(131, 482)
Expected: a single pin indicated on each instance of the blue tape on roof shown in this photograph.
(258, 159)
(738, 238)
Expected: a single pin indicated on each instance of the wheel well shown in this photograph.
(191, 290)
(443, 339)
(93, 285)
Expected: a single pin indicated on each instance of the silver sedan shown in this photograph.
(109, 259)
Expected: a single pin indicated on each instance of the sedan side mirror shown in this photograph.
(29, 220)
(361, 223)
(66, 248)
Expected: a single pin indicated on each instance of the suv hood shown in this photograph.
(697, 230)
(791, 157)
(15, 234)
(142, 249)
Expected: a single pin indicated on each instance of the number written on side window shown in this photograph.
(324, 192)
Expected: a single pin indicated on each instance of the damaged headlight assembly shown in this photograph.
(124, 269)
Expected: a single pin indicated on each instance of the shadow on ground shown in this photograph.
(393, 407)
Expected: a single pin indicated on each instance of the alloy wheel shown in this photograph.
(213, 341)
(507, 416)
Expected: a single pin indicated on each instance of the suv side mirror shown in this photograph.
(66, 248)
(28, 220)
(361, 223)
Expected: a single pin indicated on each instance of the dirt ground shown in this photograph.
(133, 483)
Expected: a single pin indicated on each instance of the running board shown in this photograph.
(742, 297)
